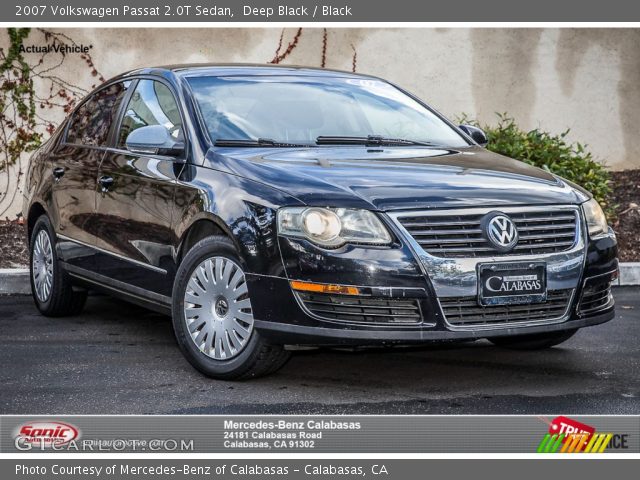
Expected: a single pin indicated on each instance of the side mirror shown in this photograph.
(154, 140)
(477, 134)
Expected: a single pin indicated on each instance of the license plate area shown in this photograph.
(512, 283)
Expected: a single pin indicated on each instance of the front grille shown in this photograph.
(466, 312)
(458, 234)
(362, 309)
(595, 296)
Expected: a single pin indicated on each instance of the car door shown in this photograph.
(135, 198)
(74, 167)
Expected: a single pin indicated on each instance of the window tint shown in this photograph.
(91, 123)
(152, 103)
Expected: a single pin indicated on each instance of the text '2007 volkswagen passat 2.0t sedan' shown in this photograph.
(265, 207)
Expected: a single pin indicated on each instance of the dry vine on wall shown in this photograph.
(32, 93)
(281, 55)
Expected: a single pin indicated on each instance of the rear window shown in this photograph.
(91, 123)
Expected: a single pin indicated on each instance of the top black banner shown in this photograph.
(298, 11)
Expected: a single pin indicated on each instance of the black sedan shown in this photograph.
(266, 206)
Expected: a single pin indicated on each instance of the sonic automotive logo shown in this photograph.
(45, 434)
(570, 436)
(59, 436)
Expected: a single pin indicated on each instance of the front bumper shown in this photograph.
(402, 274)
(302, 335)
(281, 319)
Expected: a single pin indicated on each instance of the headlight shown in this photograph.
(596, 220)
(333, 227)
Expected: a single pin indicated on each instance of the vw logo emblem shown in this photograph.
(500, 232)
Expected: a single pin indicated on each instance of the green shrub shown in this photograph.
(550, 152)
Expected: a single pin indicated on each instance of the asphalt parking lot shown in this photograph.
(119, 359)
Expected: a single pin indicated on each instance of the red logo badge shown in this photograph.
(47, 433)
(570, 427)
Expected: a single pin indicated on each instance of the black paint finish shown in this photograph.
(123, 220)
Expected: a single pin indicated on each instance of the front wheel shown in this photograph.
(213, 317)
(537, 341)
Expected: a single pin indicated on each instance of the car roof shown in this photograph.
(227, 69)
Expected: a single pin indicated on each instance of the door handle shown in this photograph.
(58, 173)
(106, 183)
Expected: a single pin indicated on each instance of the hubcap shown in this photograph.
(222, 307)
(217, 308)
(42, 266)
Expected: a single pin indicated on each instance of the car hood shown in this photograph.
(396, 178)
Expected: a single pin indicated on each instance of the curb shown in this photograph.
(15, 281)
(629, 274)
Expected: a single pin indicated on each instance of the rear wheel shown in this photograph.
(533, 342)
(51, 287)
(213, 317)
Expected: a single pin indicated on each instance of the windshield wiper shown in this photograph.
(260, 142)
(373, 140)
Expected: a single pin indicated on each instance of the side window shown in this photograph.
(91, 122)
(152, 103)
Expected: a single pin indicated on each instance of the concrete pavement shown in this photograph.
(119, 359)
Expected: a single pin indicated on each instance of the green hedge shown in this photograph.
(550, 152)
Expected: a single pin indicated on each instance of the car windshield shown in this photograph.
(297, 110)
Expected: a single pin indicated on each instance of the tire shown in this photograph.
(215, 331)
(533, 342)
(56, 296)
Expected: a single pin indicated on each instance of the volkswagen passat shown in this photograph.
(266, 206)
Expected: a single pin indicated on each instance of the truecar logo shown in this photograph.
(570, 436)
